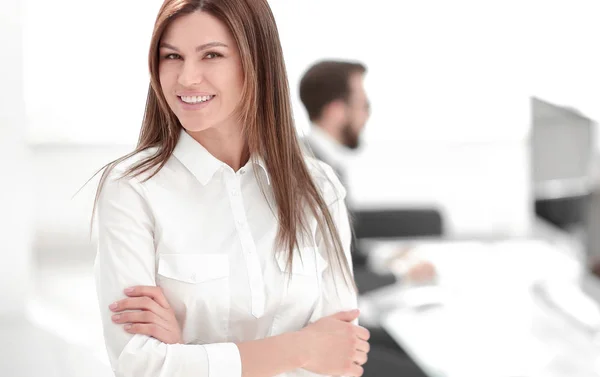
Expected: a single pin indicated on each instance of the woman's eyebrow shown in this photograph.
(198, 49)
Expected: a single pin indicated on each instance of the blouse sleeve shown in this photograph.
(336, 294)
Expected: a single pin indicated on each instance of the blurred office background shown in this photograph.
(483, 110)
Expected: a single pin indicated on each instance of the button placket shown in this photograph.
(255, 277)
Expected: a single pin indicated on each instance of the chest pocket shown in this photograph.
(301, 286)
(197, 287)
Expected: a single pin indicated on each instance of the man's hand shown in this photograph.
(410, 267)
(151, 314)
(421, 272)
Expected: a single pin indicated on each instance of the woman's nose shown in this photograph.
(191, 74)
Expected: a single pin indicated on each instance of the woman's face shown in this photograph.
(200, 72)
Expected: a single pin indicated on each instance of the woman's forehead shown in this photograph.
(195, 29)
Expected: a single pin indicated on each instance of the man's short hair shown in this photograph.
(325, 82)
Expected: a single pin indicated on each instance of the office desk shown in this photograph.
(488, 322)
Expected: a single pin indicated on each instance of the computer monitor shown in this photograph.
(591, 245)
(567, 193)
(562, 145)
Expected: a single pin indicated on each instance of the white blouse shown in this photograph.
(206, 235)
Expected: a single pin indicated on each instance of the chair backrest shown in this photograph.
(397, 223)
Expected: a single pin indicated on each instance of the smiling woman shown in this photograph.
(202, 83)
(202, 269)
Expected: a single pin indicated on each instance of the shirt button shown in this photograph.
(193, 277)
(243, 171)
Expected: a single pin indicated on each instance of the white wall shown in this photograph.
(16, 188)
(481, 189)
(63, 213)
(563, 40)
(96, 54)
(436, 69)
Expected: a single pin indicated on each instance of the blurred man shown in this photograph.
(334, 96)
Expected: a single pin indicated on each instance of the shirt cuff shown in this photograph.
(223, 360)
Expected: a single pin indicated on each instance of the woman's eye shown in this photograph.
(212, 55)
(172, 56)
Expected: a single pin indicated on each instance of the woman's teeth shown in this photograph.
(196, 99)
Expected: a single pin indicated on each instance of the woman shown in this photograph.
(222, 250)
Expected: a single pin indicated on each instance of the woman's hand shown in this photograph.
(152, 315)
(335, 346)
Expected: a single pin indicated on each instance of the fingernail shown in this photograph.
(116, 317)
(113, 305)
(127, 327)
(128, 290)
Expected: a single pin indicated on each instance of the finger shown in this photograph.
(153, 292)
(355, 371)
(140, 317)
(136, 303)
(347, 316)
(140, 303)
(149, 329)
(363, 346)
(360, 358)
(362, 333)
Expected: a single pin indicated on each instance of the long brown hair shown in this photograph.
(264, 111)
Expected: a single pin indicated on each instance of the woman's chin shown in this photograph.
(195, 127)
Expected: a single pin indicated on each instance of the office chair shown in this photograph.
(397, 223)
(385, 363)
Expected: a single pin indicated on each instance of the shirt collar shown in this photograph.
(333, 151)
(201, 163)
(258, 160)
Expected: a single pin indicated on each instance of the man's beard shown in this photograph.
(351, 138)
